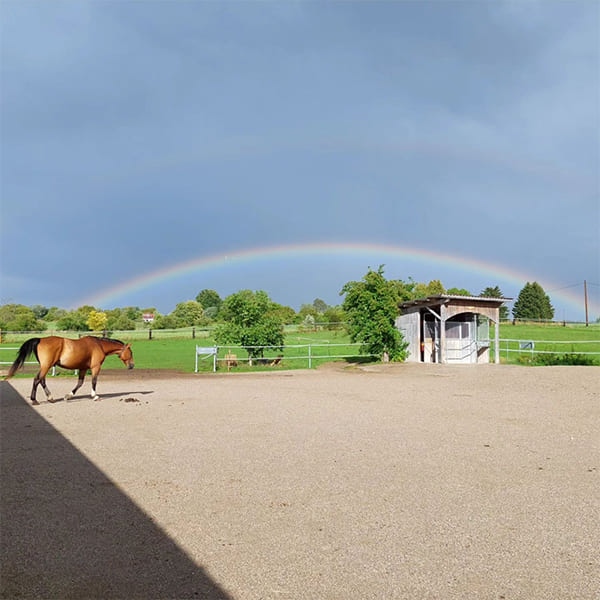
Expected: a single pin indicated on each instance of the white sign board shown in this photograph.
(206, 352)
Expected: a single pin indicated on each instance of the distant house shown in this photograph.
(148, 317)
(451, 329)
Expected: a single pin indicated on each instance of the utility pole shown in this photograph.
(587, 323)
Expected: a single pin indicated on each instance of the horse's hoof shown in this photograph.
(68, 397)
(51, 399)
(95, 398)
(35, 403)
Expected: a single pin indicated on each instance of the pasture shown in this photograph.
(175, 349)
(373, 481)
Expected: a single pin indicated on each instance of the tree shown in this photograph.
(188, 314)
(121, 319)
(76, 320)
(495, 292)
(250, 322)
(164, 322)
(458, 292)
(133, 313)
(97, 321)
(319, 305)
(17, 317)
(39, 311)
(309, 323)
(333, 316)
(286, 314)
(433, 288)
(405, 289)
(306, 310)
(208, 299)
(54, 314)
(371, 308)
(533, 303)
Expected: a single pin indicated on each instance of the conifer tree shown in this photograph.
(496, 292)
(533, 303)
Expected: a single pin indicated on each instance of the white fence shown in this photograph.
(508, 346)
(313, 352)
(34, 362)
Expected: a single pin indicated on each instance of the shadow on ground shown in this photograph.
(68, 532)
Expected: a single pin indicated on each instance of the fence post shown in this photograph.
(309, 357)
(193, 333)
(150, 333)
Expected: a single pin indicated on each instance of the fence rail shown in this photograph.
(28, 362)
(196, 332)
(519, 346)
(277, 354)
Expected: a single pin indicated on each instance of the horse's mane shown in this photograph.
(107, 339)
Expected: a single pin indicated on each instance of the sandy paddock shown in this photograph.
(391, 481)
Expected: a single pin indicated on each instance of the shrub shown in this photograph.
(551, 359)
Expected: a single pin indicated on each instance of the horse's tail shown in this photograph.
(26, 350)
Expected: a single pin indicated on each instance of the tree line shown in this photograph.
(252, 320)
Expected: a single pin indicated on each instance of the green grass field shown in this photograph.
(555, 338)
(178, 353)
(176, 350)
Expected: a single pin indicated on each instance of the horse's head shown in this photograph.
(126, 355)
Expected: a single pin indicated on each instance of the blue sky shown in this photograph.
(139, 135)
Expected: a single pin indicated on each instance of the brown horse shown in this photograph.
(86, 353)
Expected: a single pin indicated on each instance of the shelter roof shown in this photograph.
(439, 299)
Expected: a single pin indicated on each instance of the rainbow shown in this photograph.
(377, 251)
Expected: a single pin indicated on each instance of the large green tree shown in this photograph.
(252, 322)
(188, 314)
(76, 320)
(371, 308)
(121, 319)
(209, 299)
(533, 303)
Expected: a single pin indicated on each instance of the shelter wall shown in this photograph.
(459, 307)
(409, 323)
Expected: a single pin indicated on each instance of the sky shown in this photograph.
(289, 146)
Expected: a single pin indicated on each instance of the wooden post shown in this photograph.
(150, 333)
(497, 339)
(443, 333)
(587, 322)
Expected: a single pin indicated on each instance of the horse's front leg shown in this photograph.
(82, 373)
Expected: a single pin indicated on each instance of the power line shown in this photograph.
(565, 287)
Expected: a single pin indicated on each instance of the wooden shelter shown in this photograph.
(450, 329)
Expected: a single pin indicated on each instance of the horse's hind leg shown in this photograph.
(48, 392)
(36, 382)
(41, 378)
(79, 384)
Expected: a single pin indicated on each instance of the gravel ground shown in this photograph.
(391, 481)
